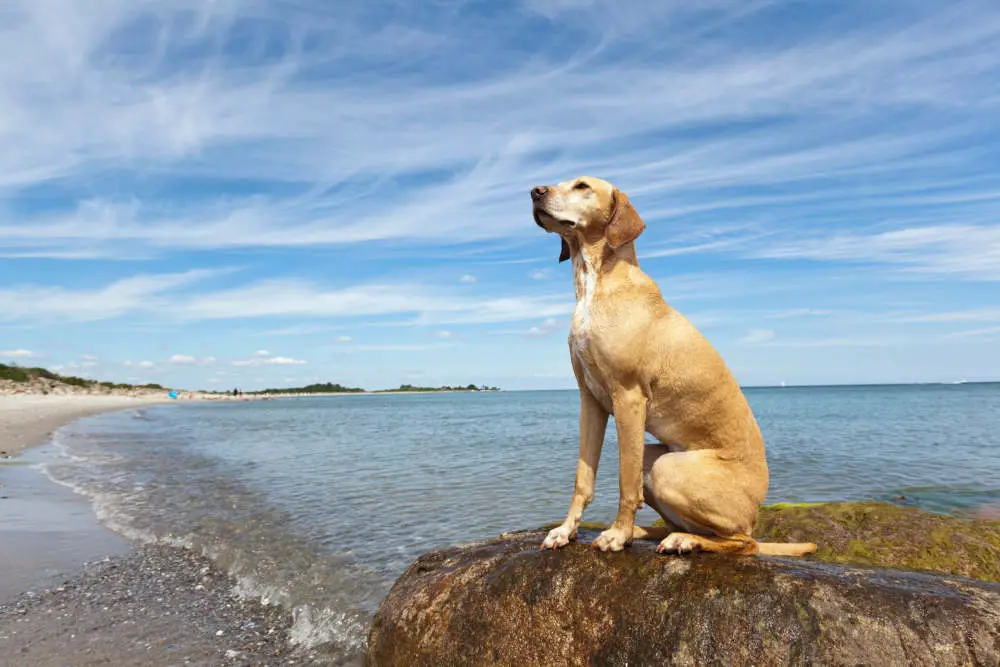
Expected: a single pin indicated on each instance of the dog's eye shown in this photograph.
(581, 186)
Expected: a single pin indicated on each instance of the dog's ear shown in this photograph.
(564, 252)
(625, 225)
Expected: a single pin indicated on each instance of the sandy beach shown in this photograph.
(73, 592)
(26, 421)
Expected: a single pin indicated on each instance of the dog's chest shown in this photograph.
(582, 331)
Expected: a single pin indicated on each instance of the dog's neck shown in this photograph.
(593, 261)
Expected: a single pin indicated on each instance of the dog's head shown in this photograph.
(587, 208)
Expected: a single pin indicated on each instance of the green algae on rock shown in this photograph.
(505, 601)
(887, 535)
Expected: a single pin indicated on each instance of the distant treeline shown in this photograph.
(17, 373)
(322, 388)
(468, 387)
(333, 388)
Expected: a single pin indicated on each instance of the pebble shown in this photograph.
(158, 587)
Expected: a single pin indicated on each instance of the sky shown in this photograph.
(210, 194)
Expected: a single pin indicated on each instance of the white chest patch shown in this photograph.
(586, 280)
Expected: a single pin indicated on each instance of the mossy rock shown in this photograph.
(887, 535)
(507, 602)
(881, 535)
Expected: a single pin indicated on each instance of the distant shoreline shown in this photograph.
(389, 392)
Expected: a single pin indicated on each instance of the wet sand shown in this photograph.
(46, 530)
(74, 593)
(155, 606)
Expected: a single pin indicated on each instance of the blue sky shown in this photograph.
(263, 193)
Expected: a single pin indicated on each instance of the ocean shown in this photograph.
(318, 504)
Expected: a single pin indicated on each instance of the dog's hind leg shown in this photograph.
(683, 543)
(654, 533)
(695, 491)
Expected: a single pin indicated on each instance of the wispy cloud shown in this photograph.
(18, 354)
(987, 314)
(983, 332)
(548, 326)
(400, 347)
(156, 296)
(757, 336)
(960, 251)
(240, 113)
(265, 358)
(187, 360)
(138, 293)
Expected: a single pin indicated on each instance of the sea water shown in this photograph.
(318, 504)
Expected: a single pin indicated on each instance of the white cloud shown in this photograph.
(183, 360)
(88, 357)
(443, 334)
(403, 347)
(285, 361)
(187, 360)
(540, 274)
(260, 360)
(757, 336)
(547, 327)
(18, 354)
(975, 333)
(427, 304)
(987, 314)
(468, 278)
(139, 364)
(344, 339)
(144, 293)
(262, 353)
(265, 116)
(74, 366)
(958, 251)
(299, 330)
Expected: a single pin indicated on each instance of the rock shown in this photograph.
(507, 602)
(887, 535)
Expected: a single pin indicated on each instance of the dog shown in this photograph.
(640, 360)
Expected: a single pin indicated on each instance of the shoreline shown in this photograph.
(154, 606)
(71, 588)
(30, 420)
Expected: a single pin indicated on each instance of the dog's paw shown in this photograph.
(612, 539)
(678, 543)
(558, 537)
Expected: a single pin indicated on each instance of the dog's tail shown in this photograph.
(785, 548)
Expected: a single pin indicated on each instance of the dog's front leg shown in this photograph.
(630, 420)
(593, 424)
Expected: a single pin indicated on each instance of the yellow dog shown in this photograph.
(640, 360)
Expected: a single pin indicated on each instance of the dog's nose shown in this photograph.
(539, 191)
